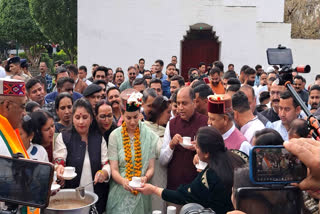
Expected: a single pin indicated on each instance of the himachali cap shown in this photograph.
(14, 60)
(219, 104)
(125, 96)
(12, 87)
(134, 102)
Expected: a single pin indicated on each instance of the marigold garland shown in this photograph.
(132, 170)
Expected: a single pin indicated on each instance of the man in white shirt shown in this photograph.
(289, 110)
(244, 117)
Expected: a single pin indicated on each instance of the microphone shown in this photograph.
(303, 69)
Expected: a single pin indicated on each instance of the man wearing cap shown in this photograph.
(220, 117)
(15, 68)
(24, 67)
(179, 159)
(12, 110)
(93, 94)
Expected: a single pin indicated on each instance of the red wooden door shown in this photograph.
(196, 50)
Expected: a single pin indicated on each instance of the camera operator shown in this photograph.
(289, 110)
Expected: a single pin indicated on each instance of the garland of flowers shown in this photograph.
(132, 170)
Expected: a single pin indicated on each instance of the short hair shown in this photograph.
(317, 77)
(174, 56)
(59, 62)
(203, 90)
(94, 65)
(287, 95)
(243, 68)
(261, 107)
(155, 80)
(30, 106)
(299, 77)
(100, 68)
(314, 87)
(42, 81)
(63, 80)
(299, 127)
(131, 67)
(234, 81)
(192, 69)
(191, 92)
(140, 81)
(73, 69)
(231, 65)
(268, 136)
(159, 61)
(201, 64)
(229, 74)
(258, 67)
(112, 88)
(249, 71)
(197, 83)
(60, 97)
(84, 68)
(60, 70)
(148, 92)
(215, 70)
(141, 59)
(170, 64)
(219, 64)
(97, 82)
(179, 79)
(234, 88)
(264, 96)
(31, 83)
(146, 77)
(173, 97)
(240, 102)
(250, 88)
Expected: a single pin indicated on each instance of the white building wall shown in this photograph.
(117, 33)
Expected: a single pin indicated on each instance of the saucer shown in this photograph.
(186, 145)
(134, 185)
(55, 187)
(69, 177)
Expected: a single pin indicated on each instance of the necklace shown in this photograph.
(132, 170)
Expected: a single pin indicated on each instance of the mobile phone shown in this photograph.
(282, 200)
(25, 182)
(275, 165)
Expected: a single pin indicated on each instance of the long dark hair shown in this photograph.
(159, 105)
(39, 119)
(221, 161)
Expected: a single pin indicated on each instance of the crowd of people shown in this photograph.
(111, 129)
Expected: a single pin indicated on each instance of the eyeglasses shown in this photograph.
(22, 106)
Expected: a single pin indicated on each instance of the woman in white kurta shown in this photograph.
(85, 149)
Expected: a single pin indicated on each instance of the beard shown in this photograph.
(250, 82)
(215, 83)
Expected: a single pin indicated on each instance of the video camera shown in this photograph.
(282, 56)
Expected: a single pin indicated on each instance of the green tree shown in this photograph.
(17, 25)
(58, 22)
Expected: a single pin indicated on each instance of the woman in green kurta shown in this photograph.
(121, 199)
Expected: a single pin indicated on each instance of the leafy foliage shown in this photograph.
(57, 20)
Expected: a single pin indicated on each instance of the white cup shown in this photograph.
(202, 165)
(136, 180)
(69, 170)
(171, 210)
(187, 140)
(156, 212)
